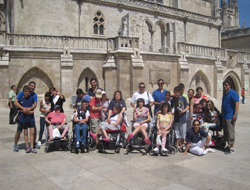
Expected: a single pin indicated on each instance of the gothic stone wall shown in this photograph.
(238, 43)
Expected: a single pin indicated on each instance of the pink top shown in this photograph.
(56, 117)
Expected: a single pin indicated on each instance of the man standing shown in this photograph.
(93, 89)
(12, 98)
(25, 110)
(243, 95)
(144, 95)
(182, 88)
(229, 112)
(159, 95)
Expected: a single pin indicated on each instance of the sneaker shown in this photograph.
(77, 145)
(37, 146)
(155, 150)
(210, 150)
(15, 148)
(147, 141)
(164, 150)
(83, 144)
(39, 143)
(231, 151)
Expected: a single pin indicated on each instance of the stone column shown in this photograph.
(110, 75)
(170, 38)
(218, 79)
(183, 70)
(67, 88)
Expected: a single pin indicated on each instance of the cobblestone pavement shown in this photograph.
(65, 170)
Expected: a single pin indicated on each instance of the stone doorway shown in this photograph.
(84, 79)
(233, 86)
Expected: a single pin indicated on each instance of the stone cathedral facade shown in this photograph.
(65, 43)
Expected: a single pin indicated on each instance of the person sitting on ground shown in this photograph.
(81, 118)
(210, 116)
(57, 120)
(141, 119)
(45, 106)
(105, 105)
(80, 97)
(27, 119)
(164, 122)
(115, 124)
(197, 140)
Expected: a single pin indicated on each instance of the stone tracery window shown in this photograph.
(98, 23)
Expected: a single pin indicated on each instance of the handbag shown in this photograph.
(56, 133)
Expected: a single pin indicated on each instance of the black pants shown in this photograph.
(13, 112)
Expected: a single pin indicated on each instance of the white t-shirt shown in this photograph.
(146, 96)
(46, 107)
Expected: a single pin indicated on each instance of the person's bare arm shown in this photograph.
(236, 111)
(147, 120)
(133, 105)
(158, 124)
(64, 121)
(187, 147)
(118, 121)
(151, 104)
(10, 101)
(170, 123)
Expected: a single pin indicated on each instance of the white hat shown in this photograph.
(103, 92)
(98, 93)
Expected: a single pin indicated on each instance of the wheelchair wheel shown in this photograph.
(128, 148)
(46, 148)
(117, 150)
(173, 150)
(124, 143)
(222, 144)
(72, 150)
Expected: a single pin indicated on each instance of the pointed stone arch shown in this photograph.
(234, 79)
(42, 80)
(159, 37)
(147, 35)
(200, 79)
(84, 78)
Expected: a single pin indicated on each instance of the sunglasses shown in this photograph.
(142, 87)
(160, 83)
(196, 124)
(209, 104)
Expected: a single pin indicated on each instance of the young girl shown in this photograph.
(141, 118)
(105, 104)
(210, 116)
(164, 121)
(115, 120)
(45, 106)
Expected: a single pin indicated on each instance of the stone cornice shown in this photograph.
(159, 9)
(241, 32)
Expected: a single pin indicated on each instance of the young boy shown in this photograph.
(57, 120)
(180, 106)
(81, 117)
(27, 119)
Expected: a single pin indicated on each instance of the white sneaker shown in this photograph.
(210, 150)
(39, 143)
(156, 150)
(164, 150)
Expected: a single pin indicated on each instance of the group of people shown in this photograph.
(180, 109)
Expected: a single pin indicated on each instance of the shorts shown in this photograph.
(106, 126)
(55, 126)
(180, 130)
(95, 123)
(144, 124)
(27, 125)
(19, 130)
(229, 130)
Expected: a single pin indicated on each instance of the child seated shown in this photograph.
(105, 105)
(115, 121)
(81, 117)
(57, 120)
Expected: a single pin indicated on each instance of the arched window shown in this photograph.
(98, 23)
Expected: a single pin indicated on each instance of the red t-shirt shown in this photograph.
(96, 102)
(56, 117)
(243, 93)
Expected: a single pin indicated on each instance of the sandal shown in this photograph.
(32, 150)
(93, 135)
(105, 139)
(27, 150)
(130, 136)
(147, 141)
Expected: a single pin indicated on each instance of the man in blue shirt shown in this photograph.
(159, 95)
(32, 86)
(229, 112)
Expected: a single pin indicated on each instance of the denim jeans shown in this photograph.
(243, 99)
(78, 127)
(42, 124)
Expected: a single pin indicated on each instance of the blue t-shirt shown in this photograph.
(26, 102)
(33, 94)
(228, 104)
(181, 104)
(86, 97)
(158, 97)
(193, 137)
(120, 103)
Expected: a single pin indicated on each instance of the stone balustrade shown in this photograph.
(126, 43)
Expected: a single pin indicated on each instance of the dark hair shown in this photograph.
(52, 88)
(168, 92)
(191, 90)
(92, 80)
(163, 105)
(197, 120)
(199, 88)
(12, 86)
(160, 80)
(177, 88)
(47, 94)
(118, 91)
(227, 82)
(140, 100)
(84, 101)
(32, 82)
(79, 91)
(26, 87)
(243, 88)
(118, 108)
(212, 107)
(141, 84)
(181, 85)
(202, 101)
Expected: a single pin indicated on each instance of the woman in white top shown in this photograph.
(115, 121)
(45, 108)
